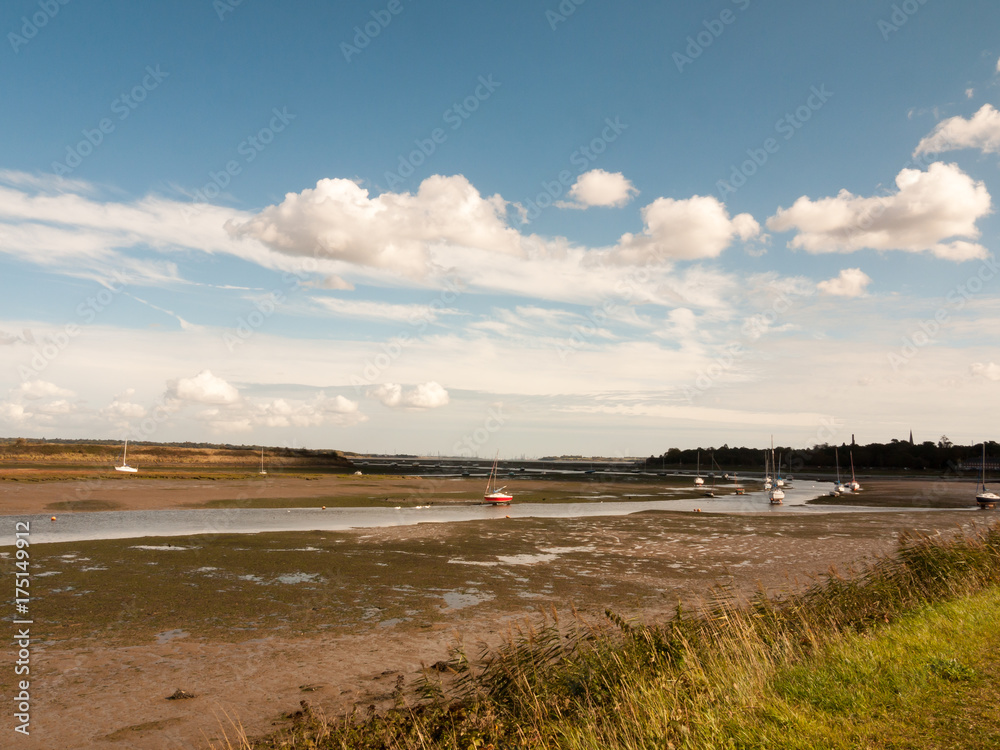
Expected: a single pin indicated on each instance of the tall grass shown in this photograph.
(714, 678)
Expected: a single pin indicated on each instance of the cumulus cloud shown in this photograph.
(686, 229)
(599, 188)
(203, 388)
(339, 220)
(927, 213)
(121, 410)
(38, 389)
(981, 132)
(12, 413)
(429, 395)
(850, 283)
(989, 371)
(320, 410)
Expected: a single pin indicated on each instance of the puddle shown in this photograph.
(169, 635)
(297, 577)
(526, 559)
(460, 600)
(159, 547)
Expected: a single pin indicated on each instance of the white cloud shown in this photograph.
(331, 281)
(370, 310)
(981, 132)
(204, 388)
(687, 229)
(989, 371)
(37, 389)
(850, 283)
(599, 188)
(315, 412)
(338, 220)
(57, 407)
(429, 395)
(12, 413)
(121, 410)
(927, 212)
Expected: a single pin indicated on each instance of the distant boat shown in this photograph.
(711, 491)
(698, 481)
(777, 495)
(740, 489)
(494, 495)
(854, 486)
(262, 461)
(125, 467)
(838, 488)
(985, 498)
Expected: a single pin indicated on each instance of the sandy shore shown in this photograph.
(381, 602)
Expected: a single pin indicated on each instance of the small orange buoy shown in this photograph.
(324, 507)
(53, 518)
(506, 516)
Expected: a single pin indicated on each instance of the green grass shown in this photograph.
(901, 655)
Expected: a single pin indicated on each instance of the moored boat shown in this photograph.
(495, 495)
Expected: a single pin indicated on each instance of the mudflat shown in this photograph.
(251, 625)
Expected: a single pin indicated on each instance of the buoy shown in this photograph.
(506, 516)
(324, 507)
(53, 518)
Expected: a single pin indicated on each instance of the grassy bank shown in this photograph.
(900, 655)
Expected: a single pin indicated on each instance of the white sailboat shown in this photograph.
(125, 467)
(711, 492)
(495, 495)
(767, 473)
(777, 495)
(853, 485)
(262, 461)
(698, 481)
(838, 488)
(985, 498)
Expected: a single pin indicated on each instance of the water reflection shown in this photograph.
(161, 523)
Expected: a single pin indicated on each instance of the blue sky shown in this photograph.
(534, 228)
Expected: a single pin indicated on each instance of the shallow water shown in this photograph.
(84, 526)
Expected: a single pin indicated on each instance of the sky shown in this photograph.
(566, 227)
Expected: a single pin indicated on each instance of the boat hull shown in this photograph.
(497, 498)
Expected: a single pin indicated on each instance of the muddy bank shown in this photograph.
(253, 624)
